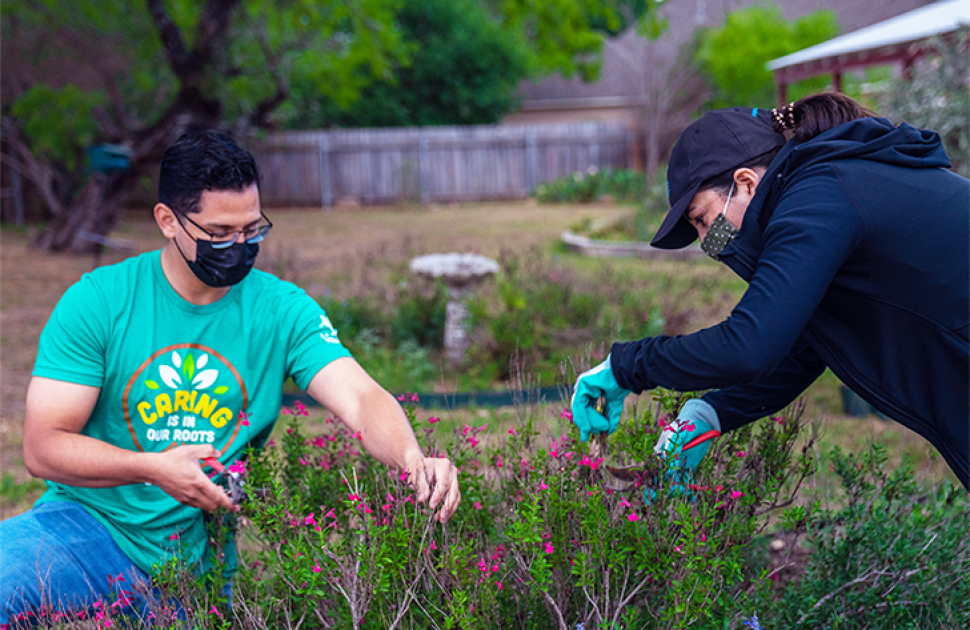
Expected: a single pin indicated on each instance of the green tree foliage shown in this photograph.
(937, 96)
(235, 63)
(733, 56)
(463, 69)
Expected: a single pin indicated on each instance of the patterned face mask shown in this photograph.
(720, 233)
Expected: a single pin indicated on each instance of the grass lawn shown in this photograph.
(341, 252)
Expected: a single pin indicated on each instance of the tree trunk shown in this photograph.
(98, 208)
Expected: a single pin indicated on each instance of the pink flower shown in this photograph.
(271, 443)
(499, 585)
(688, 428)
(703, 537)
(737, 495)
(432, 420)
(633, 518)
(434, 546)
(477, 505)
(309, 519)
(740, 454)
(512, 431)
(679, 550)
(566, 415)
(404, 475)
(215, 611)
(299, 409)
(284, 411)
(473, 441)
(593, 464)
(549, 548)
(316, 568)
(238, 467)
(624, 503)
(543, 486)
(244, 417)
(401, 398)
(481, 428)
(174, 536)
(414, 397)
(779, 419)
(353, 497)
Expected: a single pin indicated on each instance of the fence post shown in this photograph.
(423, 168)
(531, 165)
(326, 194)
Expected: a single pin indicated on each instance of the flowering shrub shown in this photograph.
(555, 533)
(546, 536)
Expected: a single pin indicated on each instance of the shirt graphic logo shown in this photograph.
(330, 334)
(184, 394)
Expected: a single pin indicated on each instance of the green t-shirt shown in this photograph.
(174, 373)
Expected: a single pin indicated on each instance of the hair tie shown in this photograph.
(785, 122)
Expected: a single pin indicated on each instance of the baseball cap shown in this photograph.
(715, 143)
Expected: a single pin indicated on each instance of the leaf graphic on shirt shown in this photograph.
(205, 379)
(150, 384)
(222, 389)
(202, 361)
(176, 360)
(188, 368)
(169, 376)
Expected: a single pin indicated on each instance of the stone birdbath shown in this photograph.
(461, 272)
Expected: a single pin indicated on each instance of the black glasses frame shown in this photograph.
(261, 232)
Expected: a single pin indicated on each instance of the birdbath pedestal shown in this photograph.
(460, 272)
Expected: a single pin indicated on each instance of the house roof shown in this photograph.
(881, 40)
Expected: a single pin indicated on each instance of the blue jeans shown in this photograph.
(58, 559)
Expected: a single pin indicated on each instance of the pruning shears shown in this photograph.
(230, 481)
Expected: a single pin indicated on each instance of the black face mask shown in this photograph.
(222, 267)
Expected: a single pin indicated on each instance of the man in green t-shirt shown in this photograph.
(148, 367)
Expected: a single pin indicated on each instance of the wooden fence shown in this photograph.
(432, 164)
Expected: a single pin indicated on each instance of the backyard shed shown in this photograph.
(893, 41)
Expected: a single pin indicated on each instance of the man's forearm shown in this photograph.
(386, 433)
(79, 460)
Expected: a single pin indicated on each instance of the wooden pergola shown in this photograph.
(897, 40)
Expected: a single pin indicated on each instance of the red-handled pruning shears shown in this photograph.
(231, 481)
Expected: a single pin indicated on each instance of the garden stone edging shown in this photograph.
(620, 249)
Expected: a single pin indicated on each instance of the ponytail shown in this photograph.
(816, 114)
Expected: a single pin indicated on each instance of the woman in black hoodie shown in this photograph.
(854, 239)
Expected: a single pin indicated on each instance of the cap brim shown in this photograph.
(675, 232)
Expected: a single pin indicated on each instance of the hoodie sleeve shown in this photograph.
(740, 404)
(813, 230)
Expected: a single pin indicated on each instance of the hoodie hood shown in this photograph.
(876, 140)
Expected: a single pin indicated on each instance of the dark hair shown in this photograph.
(804, 119)
(200, 160)
(816, 114)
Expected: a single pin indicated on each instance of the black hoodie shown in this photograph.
(856, 249)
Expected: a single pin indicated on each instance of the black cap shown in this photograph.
(713, 144)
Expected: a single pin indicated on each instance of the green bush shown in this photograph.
(896, 555)
(538, 314)
(625, 186)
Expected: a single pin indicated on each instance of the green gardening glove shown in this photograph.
(590, 386)
(684, 442)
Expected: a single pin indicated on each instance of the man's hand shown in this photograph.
(436, 477)
(590, 386)
(179, 473)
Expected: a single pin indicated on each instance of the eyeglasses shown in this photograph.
(222, 240)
